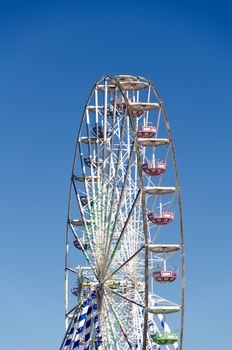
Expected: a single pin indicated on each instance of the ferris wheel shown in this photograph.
(124, 265)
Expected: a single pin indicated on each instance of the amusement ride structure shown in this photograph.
(124, 265)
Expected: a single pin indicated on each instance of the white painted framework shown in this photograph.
(123, 246)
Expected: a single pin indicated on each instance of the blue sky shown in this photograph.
(50, 55)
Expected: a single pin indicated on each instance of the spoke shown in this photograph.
(119, 155)
(71, 270)
(97, 212)
(117, 318)
(70, 311)
(120, 202)
(111, 170)
(84, 252)
(122, 232)
(127, 299)
(92, 178)
(103, 189)
(76, 309)
(120, 267)
(111, 325)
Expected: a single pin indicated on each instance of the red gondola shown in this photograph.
(154, 170)
(163, 219)
(164, 276)
(147, 131)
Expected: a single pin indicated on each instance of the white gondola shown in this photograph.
(168, 309)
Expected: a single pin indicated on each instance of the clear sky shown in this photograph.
(51, 52)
